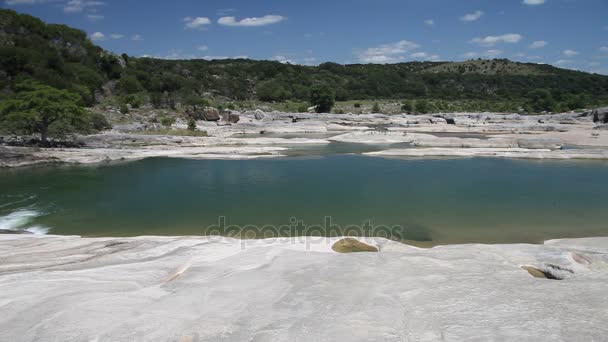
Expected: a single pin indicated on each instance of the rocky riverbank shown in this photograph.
(558, 136)
(299, 289)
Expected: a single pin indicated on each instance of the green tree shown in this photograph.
(376, 108)
(322, 97)
(44, 110)
(539, 100)
(129, 85)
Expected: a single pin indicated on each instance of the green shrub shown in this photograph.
(357, 105)
(302, 108)
(422, 106)
(407, 106)
(99, 122)
(376, 108)
(191, 124)
(124, 109)
(167, 121)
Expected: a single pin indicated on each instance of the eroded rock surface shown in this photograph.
(219, 289)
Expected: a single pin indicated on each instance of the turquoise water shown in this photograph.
(433, 201)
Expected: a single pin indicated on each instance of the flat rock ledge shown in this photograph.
(66, 288)
(519, 153)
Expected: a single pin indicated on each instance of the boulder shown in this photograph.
(211, 114)
(600, 115)
(259, 114)
(233, 118)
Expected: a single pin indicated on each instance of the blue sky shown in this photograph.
(567, 33)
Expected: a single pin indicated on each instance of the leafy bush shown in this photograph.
(407, 106)
(376, 108)
(124, 109)
(167, 121)
(99, 122)
(422, 106)
(129, 85)
(357, 105)
(191, 124)
(302, 108)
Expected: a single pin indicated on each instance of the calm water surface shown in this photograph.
(443, 201)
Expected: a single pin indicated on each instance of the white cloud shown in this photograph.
(430, 22)
(493, 40)
(595, 64)
(533, 2)
(196, 23)
(534, 57)
(283, 60)
(98, 36)
(570, 53)
(77, 6)
(202, 48)
(136, 38)
(604, 49)
(471, 54)
(538, 44)
(472, 16)
(387, 53)
(250, 22)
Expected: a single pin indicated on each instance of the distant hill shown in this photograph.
(65, 58)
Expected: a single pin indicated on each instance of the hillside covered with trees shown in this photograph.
(64, 58)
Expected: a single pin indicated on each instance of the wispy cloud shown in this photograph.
(117, 36)
(472, 16)
(604, 49)
(387, 53)
(136, 38)
(570, 53)
(430, 22)
(533, 2)
(251, 22)
(196, 23)
(538, 44)
(511, 38)
(22, 2)
(563, 62)
(202, 48)
(77, 6)
(95, 17)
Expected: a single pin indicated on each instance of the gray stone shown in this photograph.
(211, 114)
(259, 114)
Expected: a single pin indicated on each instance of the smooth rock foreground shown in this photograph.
(220, 289)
